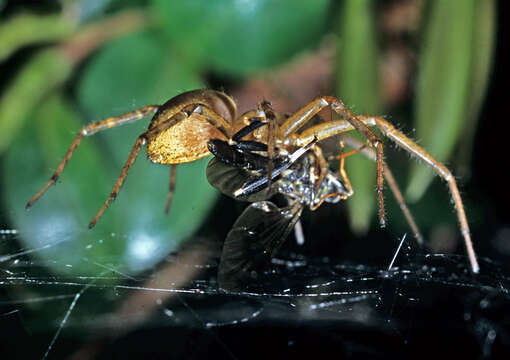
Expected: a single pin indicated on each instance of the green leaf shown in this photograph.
(57, 221)
(484, 30)
(43, 72)
(134, 232)
(444, 82)
(25, 29)
(84, 10)
(241, 37)
(358, 87)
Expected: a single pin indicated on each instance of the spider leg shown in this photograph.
(342, 156)
(336, 127)
(171, 189)
(215, 119)
(90, 130)
(322, 166)
(410, 146)
(390, 180)
(131, 159)
(303, 115)
(142, 139)
(271, 136)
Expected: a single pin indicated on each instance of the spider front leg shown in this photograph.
(253, 120)
(336, 127)
(142, 139)
(390, 180)
(303, 115)
(270, 115)
(199, 110)
(91, 129)
(118, 184)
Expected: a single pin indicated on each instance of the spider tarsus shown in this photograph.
(96, 218)
(31, 202)
(168, 202)
(167, 207)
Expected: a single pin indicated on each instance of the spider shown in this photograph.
(184, 128)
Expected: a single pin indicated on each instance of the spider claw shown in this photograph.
(95, 219)
(31, 202)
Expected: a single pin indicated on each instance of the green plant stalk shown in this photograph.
(45, 71)
(52, 66)
(484, 32)
(444, 83)
(25, 29)
(358, 87)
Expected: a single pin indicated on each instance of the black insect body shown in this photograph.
(241, 173)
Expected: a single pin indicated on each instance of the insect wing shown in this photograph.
(255, 237)
(228, 179)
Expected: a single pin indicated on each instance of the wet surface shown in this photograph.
(427, 306)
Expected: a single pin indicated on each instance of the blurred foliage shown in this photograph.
(358, 87)
(454, 64)
(45, 71)
(26, 29)
(241, 37)
(78, 67)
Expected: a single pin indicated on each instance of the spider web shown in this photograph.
(424, 305)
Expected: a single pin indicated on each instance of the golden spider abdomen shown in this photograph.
(182, 128)
(186, 141)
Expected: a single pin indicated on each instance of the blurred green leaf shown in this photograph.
(85, 9)
(129, 73)
(358, 87)
(44, 71)
(444, 83)
(484, 30)
(58, 219)
(241, 37)
(26, 29)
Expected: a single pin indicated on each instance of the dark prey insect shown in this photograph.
(239, 171)
(182, 129)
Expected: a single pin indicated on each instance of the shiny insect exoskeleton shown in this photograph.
(239, 172)
(272, 148)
